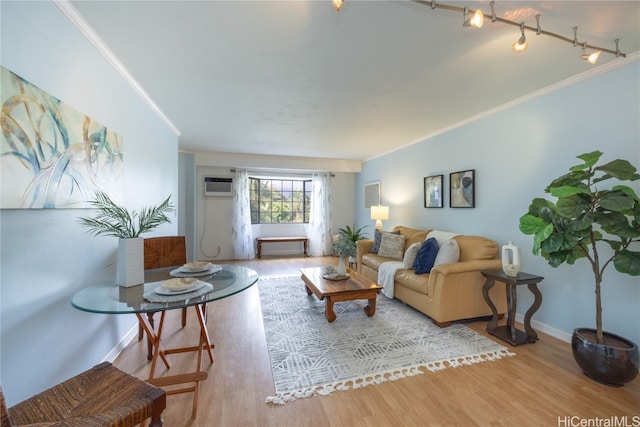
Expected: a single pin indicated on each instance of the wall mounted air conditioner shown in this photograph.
(217, 186)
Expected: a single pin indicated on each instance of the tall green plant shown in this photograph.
(115, 220)
(354, 234)
(584, 216)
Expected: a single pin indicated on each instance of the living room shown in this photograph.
(515, 150)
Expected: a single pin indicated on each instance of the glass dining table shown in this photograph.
(150, 297)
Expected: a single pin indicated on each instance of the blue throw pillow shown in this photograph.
(426, 256)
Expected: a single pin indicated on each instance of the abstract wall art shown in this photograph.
(433, 191)
(462, 189)
(53, 156)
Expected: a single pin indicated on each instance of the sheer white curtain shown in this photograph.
(319, 237)
(241, 230)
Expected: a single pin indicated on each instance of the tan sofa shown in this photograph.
(450, 291)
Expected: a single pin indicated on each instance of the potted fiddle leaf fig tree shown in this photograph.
(115, 220)
(600, 223)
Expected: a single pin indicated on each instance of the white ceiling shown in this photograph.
(297, 78)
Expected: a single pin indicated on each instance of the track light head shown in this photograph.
(475, 20)
(337, 4)
(520, 45)
(592, 57)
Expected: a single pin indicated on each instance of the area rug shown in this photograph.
(310, 356)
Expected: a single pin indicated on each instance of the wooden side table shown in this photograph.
(509, 332)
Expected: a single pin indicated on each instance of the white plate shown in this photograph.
(195, 267)
(178, 272)
(161, 290)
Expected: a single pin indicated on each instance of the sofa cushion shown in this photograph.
(377, 240)
(392, 246)
(448, 253)
(413, 235)
(408, 278)
(410, 255)
(426, 256)
(477, 247)
(373, 261)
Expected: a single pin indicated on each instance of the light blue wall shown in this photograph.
(516, 153)
(46, 256)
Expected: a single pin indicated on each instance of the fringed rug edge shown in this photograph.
(382, 377)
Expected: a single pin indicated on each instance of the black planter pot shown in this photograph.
(614, 363)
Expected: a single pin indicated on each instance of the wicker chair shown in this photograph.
(103, 396)
(166, 251)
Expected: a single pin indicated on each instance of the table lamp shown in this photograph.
(379, 213)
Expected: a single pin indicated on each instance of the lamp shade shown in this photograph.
(380, 212)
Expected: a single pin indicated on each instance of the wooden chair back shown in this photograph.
(164, 251)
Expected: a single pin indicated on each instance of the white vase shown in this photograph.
(342, 268)
(131, 261)
(511, 260)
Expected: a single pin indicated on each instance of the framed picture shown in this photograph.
(371, 194)
(462, 189)
(433, 191)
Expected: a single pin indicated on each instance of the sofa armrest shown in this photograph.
(467, 266)
(363, 246)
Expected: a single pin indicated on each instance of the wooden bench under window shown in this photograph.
(261, 240)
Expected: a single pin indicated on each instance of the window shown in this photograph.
(280, 201)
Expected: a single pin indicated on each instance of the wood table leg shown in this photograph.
(370, 309)
(329, 313)
(512, 302)
(308, 290)
(531, 334)
(493, 323)
(153, 338)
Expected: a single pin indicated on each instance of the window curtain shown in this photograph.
(241, 229)
(319, 231)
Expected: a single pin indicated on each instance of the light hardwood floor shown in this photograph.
(540, 386)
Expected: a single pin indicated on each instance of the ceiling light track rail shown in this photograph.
(537, 30)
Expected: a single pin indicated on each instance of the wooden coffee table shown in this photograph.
(355, 287)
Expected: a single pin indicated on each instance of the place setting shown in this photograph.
(185, 284)
(196, 269)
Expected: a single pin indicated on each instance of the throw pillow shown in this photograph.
(448, 253)
(426, 256)
(391, 245)
(377, 239)
(410, 255)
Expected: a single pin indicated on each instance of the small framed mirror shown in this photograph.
(371, 194)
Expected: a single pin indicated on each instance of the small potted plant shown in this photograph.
(585, 218)
(114, 220)
(354, 235)
(343, 247)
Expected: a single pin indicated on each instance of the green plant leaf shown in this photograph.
(626, 190)
(621, 169)
(616, 201)
(573, 206)
(590, 159)
(569, 190)
(530, 224)
(628, 262)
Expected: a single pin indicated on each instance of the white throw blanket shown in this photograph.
(386, 274)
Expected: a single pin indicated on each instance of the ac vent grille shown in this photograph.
(217, 187)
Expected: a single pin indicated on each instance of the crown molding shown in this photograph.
(74, 16)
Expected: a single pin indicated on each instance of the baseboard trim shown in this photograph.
(543, 327)
(122, 344)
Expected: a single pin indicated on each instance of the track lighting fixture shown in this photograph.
(337, 4)
(476, 20)
(520, 45)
